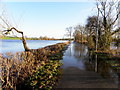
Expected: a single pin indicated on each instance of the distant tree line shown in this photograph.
(46, 38)
(31, 38)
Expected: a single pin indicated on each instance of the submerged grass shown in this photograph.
(105, 62)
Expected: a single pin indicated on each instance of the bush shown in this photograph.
(15, 68)
(31, 70)
(46, 76)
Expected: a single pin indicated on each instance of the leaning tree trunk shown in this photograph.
(24, 43)
(23, 38)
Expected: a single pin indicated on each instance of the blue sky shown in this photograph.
(50, 19)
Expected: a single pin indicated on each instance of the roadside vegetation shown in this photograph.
(35, 69)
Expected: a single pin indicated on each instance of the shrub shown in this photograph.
(15, 68)
(33, 69)
(46, 76)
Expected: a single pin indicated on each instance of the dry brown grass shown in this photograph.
(15, 68)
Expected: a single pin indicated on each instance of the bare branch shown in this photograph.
(109, 11)
(117, 30)
(115, 19)
(23, 38)
(2, 26)
(5, 22)
(99, 9)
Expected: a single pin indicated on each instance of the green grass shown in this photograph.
(10, 38)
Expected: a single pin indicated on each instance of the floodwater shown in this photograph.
(16, 45)
(75, 56)
(78, 63)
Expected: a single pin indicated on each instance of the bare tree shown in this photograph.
(23, 38)
(76, 35)
(7, 28)
(106, 8)
(69, 32)
(91, 30)
(79, 33)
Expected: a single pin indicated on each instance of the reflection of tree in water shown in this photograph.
(70, 49)
(69, 53)
(81, 53)
(103, 68)
(80, 50)
(99, 65)
(90, 62)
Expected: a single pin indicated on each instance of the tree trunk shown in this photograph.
(23, 38)
(24, 43)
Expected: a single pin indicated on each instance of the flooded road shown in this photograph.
(79, 71)
(75, 56)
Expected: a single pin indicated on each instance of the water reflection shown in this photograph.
(80, 51)
(77, 55)
(100, 63)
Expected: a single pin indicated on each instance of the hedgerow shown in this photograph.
(38, 68)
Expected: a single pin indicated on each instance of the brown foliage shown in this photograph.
(15, 68)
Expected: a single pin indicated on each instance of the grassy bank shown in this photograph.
(10, 38)
(39, 68)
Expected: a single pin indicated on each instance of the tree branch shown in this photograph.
(115, 19)
(23, 38)
(5, 22)
(99, 9)
(118, 30)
